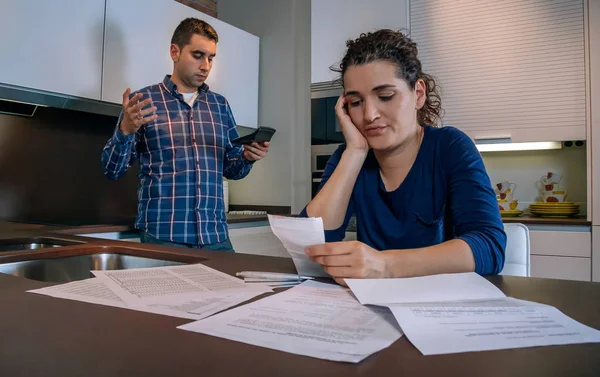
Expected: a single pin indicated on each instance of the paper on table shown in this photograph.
(96, 292)
(433, 288)
(91, 290)
(296, 234)
(451, 327)
(199, 309)
(313, 319)
(173, 284)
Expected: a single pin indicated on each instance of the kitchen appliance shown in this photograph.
(320, 154)
(325, 126)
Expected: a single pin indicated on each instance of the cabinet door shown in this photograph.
(561, 243)
(568, 268)
(335, 21)
(561, 254)
(136, 53)
(52, 45)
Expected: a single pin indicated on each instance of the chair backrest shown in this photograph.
(516, 262)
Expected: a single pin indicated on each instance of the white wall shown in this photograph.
(525, 168)
(283, 177)
(333, 22)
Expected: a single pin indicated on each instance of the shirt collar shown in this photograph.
(172, 87)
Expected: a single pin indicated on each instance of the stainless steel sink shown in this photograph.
(18, 244)
(63, 270)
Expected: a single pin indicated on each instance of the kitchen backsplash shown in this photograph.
(527, 167)
(50, 170)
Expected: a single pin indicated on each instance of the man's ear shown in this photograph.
(175, 52)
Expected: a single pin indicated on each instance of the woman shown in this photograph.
(422, 199)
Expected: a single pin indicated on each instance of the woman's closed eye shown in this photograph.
(386, 97)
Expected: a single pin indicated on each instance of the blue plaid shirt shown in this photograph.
(183, 155)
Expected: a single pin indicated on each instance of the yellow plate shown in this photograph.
(557, 212)
(553, 215)
(567, 206)
(554, 210)
(511, 213)
(546, 204)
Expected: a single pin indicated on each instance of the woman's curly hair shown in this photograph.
(398, 48)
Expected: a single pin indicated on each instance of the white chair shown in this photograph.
(516, 261)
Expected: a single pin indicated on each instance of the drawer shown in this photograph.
(569, 268)
(559, 243)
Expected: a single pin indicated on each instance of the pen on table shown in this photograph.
(276, 276)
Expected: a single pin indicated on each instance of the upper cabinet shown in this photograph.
(52, 45)
(333, 22)
(136, 53)
(510, 69)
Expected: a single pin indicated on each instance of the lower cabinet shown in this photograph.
(561, 254)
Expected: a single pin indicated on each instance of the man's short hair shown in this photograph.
(190, 26)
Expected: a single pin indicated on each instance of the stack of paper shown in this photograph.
(312, 319)
(296, 234)
(190, 291)
(464, 312)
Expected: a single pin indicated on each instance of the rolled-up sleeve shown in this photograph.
(119, 153)
(473, 205)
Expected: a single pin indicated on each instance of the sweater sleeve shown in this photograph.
(334, 235)
(473, 205)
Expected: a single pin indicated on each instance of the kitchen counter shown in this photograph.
(44, 336)
(528, 219)
(9, 226)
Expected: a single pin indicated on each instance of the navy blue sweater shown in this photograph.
(447, 194)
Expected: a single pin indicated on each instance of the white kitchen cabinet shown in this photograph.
(561, 254)
(568, 268)
(333, 22)
(507, 69)
(258, 240)
(136, 53)
(52, 45)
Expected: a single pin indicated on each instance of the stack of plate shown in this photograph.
(565, 209)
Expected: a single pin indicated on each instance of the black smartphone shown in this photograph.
(260, 135)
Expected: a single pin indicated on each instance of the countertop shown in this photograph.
(105, 228)
(528, 219)
(44, 336)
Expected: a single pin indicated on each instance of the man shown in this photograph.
(181, 132)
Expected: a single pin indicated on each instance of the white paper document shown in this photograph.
(91, 290)
(296, 234)
(433, 288)
(452, 313)
(313, 319)
(173, 284)
(451, 327)
(95, 291)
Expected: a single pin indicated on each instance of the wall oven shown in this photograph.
(320, 154)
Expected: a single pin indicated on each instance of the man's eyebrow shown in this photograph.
(202, 53)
